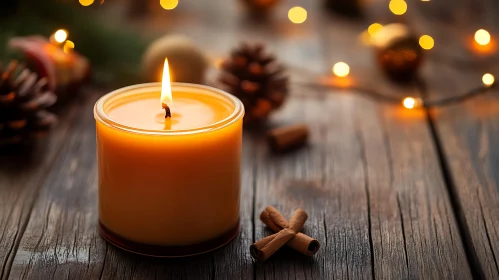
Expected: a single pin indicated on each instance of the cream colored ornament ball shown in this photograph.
(187, 62)
(398, 51)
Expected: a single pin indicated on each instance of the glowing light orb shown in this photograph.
(297, 15)
(341, 69)
(411, 103)
(168, 4)
(482, 37)
(398, 7)
(86, 2)
(60, 36)
(68, 46)
(374, 28)
(488, 79)
(426, 42)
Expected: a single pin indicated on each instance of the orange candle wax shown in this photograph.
(169, 186)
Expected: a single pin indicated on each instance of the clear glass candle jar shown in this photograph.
(169, 192)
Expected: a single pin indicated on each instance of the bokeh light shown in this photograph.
(365, 38)
(68, 46)
(488, 79)
(482, 37)
(411, 103)
(86, 2)
(60, 35)
(341, 69)
(426, 42)
(297, 15)
(168, 4)
(398, 7)
(374, 28)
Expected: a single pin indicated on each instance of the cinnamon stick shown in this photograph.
(267, 246)
(286, 138)
(301, 242)
(287, 233)
(270, 244)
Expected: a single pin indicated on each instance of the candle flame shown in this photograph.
(166, 88)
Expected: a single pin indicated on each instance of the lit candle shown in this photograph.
(169, 185)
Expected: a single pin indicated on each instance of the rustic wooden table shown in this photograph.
(391, 193)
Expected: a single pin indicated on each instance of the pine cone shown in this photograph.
(23, 98)
(257, 79)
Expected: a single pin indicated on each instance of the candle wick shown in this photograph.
(168, 113)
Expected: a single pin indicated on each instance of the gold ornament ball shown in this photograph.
(398, 52)
(187, 62)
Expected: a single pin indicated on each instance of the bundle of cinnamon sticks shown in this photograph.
(286, 233)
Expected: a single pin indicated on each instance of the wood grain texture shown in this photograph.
(468, 132)
(369, 179)
(371, 184)
(21, 173)
(412, 230)
(61, 240)
(465, 131)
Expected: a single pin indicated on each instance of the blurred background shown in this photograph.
(114, 34)
(376, 47)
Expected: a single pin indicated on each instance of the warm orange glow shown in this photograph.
(341, 69)
(219, 62)
(166, 87)
(411, 103)
(86, 2)
(482, 37)
(60, 36)
(487, 49)
(297, 15)
(365, 38)
(426, 42)
(398, 7)
(168, 4)
(488, 79)
(374, 28)
(68, 46)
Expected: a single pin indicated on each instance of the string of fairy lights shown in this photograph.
(61, 37)
(298, 15)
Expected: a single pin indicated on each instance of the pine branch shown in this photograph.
(115, 54)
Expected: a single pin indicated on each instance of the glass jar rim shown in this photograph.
(101, 116)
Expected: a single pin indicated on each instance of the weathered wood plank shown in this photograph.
(412, 230)
(369, 180)
(371, 185)
(467, 132)
(61, 240)
(21, 173)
